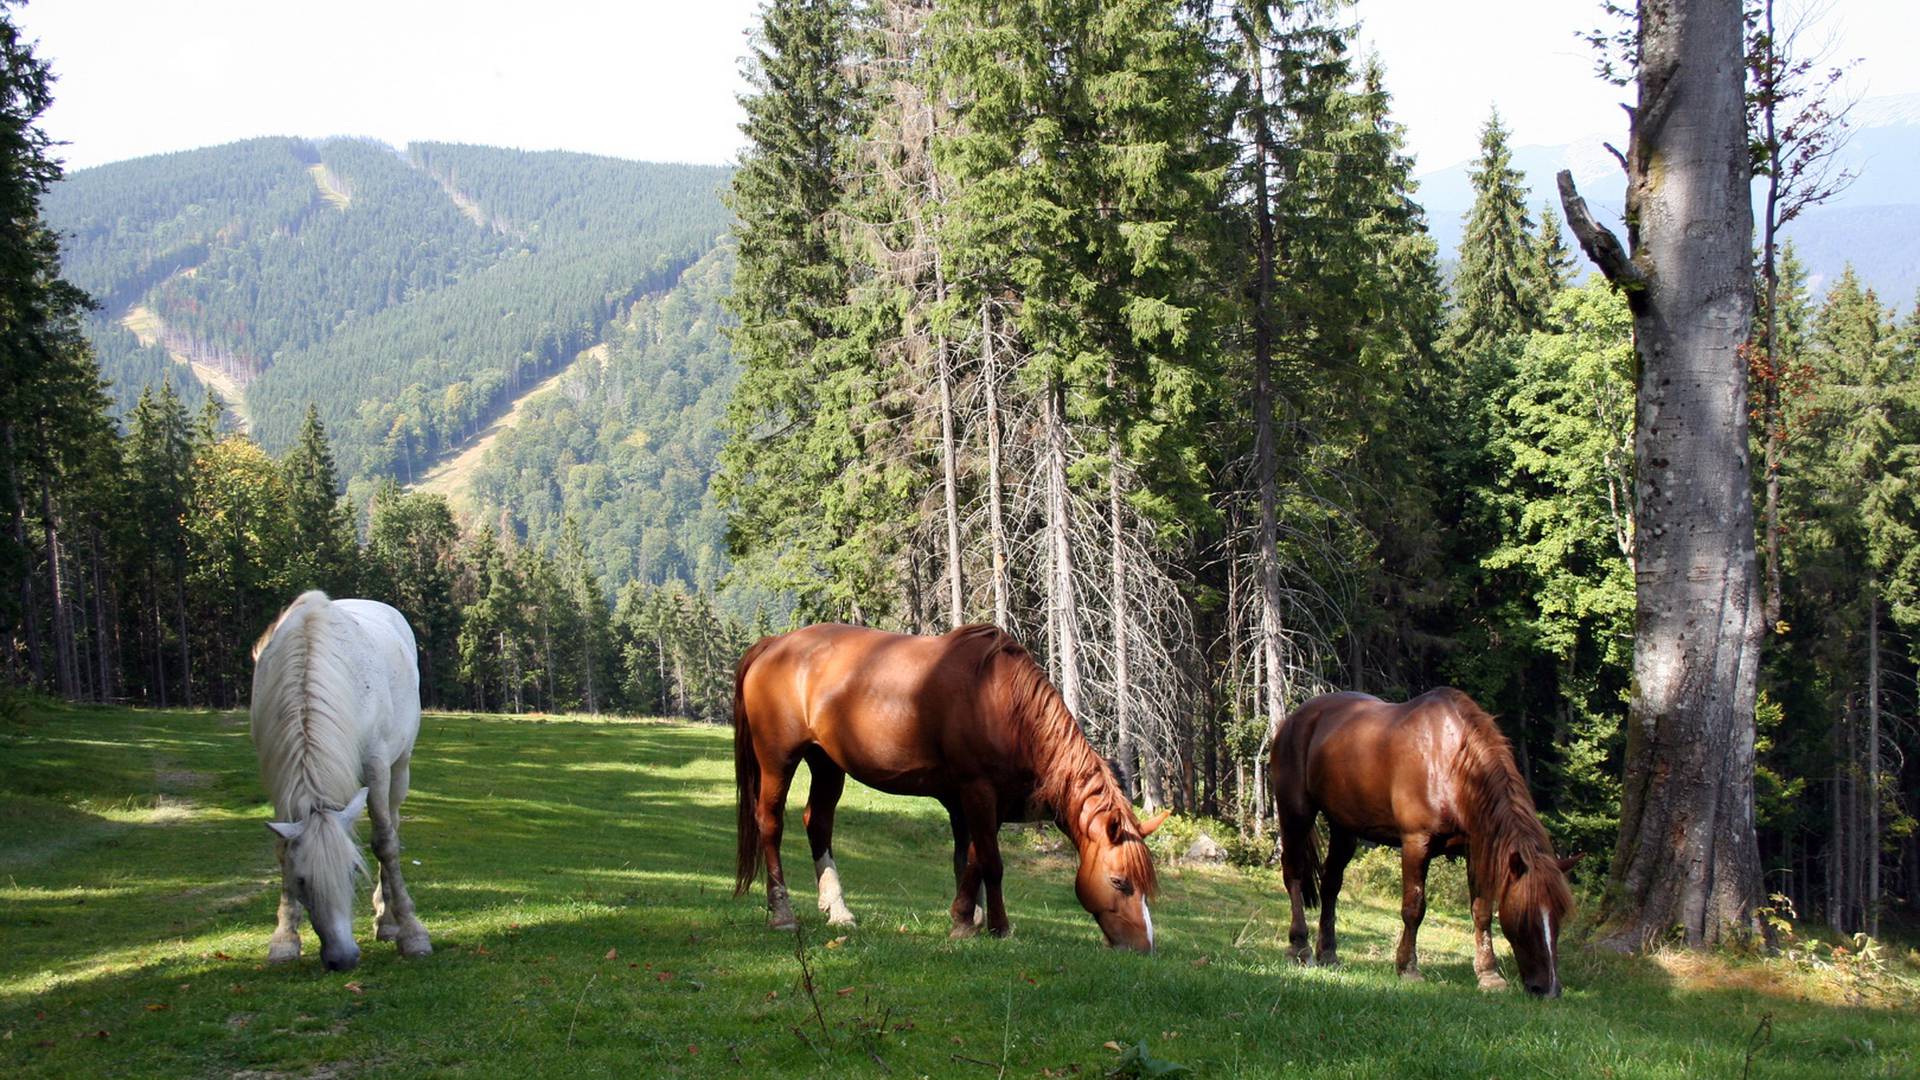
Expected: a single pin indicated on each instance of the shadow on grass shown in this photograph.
(577, 878)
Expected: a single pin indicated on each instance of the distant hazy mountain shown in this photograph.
(1874, 224)
(412, 295)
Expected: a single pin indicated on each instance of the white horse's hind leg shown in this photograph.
(284, 945)
(394, 906)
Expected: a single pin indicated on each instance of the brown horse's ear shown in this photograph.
(1516, 865)
(1152, 823)
(1571, 861)
(1113, 828)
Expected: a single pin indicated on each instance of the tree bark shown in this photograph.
(1688, 855)
(996, 513)
(1871, 841)
(29, 618)
(1063, 603)
(66, 666)
(1265, 455)
(1127, 745)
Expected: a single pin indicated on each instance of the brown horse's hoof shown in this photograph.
(1003, 931)
(1326, 960)
(1300, 956)
(963, 930)
(1491, 983)
(782, 922)
(1411, 974)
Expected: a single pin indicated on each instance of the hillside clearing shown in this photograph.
(146, 325)
(576, 874)
(330, 186)
(451, 477)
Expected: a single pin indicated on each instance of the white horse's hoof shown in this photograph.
(417, 944)
(840, 918)
(281, 950)
(386, 931)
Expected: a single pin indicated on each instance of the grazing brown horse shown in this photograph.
(1433, 776)
(966, 718)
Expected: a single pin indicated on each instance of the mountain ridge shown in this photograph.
(1873, 224)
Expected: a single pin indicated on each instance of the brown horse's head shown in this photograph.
(1116, 877)
(1533, 904)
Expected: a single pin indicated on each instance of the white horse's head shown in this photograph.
(322, 859)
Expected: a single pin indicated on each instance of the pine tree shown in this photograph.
(1496, 295)
(411, 561)
(52, 402)
(591, 651)
(1566, 456)
(323, 538)
(792, 469)
(1553, 263)
(159, 451)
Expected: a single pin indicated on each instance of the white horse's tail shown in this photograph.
(304, 726)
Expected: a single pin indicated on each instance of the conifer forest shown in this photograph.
(1115, 323)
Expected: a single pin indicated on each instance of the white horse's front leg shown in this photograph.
(393, 908)
(284, 945)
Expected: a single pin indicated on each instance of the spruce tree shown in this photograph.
(796, 421)
(323, 533)
(1494, 287)
(52, 402)
(159, 451)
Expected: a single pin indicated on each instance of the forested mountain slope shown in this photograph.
(626, 442)
(411, 295)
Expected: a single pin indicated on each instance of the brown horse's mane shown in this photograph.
(1504, 821)
(1070, 777)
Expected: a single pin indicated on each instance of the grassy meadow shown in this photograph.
(576, 876)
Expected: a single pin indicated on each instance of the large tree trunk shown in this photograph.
(1687, 854)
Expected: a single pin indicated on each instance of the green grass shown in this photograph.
(576, 875)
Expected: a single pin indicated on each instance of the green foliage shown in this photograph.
(793, 468)
(453, 278)
(627, 446)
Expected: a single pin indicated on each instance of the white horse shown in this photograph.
(336, 707)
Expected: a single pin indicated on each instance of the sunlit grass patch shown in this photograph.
(577, 875)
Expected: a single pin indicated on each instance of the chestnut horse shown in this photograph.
(1433, 776)
(966, 718)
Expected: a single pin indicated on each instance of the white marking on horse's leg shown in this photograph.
(1147, 914)
(1546, 935)
(832, 900)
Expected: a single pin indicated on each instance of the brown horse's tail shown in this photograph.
(1299, 840)
(1310, 873)
(746, 777)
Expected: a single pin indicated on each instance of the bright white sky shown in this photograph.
(656, 79)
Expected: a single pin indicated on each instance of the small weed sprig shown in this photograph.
(806, 974)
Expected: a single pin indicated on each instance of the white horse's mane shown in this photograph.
(303, 709)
